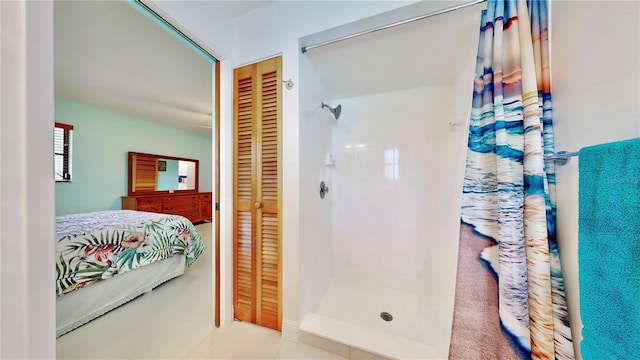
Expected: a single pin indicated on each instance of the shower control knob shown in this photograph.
(324, 189)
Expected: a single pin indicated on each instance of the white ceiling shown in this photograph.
(235, 8)
(432, 51)
(109, 55)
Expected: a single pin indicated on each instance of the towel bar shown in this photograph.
(562, 157)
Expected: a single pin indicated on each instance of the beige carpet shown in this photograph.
(476, 330)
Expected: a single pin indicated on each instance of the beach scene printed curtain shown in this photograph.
(509, 188)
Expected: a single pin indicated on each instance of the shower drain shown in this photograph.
(386, 316)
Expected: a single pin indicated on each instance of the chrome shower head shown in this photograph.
(335, 111)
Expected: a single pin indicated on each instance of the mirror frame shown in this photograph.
(130, 191)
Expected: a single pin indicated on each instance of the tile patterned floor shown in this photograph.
(243, 340)
(174, 321)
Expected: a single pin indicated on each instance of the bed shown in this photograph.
(106, 258)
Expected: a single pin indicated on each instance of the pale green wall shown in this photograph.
(101, 141)
(168, 179)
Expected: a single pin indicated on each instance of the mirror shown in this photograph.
(151, 174)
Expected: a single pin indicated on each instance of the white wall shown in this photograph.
(393, 163)
(397, 185)
(439, 274)
(595, 57)
(27, 296)
(315, 213)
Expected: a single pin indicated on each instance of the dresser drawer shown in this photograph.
(205, 206)
(177, 207)
(179, 199)
(194, 206)
(149, 204)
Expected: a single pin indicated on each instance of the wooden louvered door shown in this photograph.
(267, 213)
(257, 254)
(244, 174)
(145, 173)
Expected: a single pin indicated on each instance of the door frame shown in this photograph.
(198, 46)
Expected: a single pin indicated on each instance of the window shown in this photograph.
(391, 164)
(62, 138)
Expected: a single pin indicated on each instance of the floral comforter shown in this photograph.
(99, 245)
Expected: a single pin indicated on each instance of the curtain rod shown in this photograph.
(304, 49)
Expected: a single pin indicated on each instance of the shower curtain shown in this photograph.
(509, 188)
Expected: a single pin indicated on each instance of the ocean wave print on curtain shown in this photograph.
(509, 189)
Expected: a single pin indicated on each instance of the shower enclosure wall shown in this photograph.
(385, 238)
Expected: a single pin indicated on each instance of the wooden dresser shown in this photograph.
(194, 206)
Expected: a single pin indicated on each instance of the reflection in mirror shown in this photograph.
(176, 175)
(160, 173)
(186, 175)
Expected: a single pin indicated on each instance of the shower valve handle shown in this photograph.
(324, 189)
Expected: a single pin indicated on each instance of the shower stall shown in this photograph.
(378, 252)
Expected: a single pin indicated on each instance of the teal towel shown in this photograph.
(609, 250)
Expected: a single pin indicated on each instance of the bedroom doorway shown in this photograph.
(257, 184)
(196, 109)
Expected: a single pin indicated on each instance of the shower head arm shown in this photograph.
(335, 111)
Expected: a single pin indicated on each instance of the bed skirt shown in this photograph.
(83, 305)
